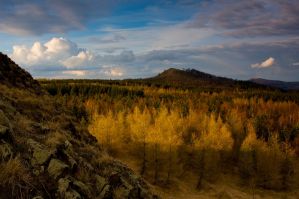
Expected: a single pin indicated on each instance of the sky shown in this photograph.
(119, 39)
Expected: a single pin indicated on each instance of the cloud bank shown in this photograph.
(249, 18)
(41, 17)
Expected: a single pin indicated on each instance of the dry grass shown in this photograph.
(23, 123)
(13, 172)
(15, 178)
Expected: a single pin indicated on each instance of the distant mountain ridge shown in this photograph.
(191, 78)
(277, 84)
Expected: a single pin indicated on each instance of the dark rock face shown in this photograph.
(12, 75)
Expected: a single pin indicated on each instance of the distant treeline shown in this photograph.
(135, 87)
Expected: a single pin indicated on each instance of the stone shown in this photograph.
(56, 168)
(33, 144)
(67, 144)
(106, 192)
(3, 130)
(63, 185)
(71, 194)
(100, 182)
(5, 151)
(82, 188)
(121, 192)
(40, 156)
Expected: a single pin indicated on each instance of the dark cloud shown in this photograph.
(125, 56)
(250, 18)
(34, 17)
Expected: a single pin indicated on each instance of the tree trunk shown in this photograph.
(201, 169)
(143, 167)
(169, 164)
(156, 163)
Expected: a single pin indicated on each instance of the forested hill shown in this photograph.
(191, 78)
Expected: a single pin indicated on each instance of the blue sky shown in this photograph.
(117, 39)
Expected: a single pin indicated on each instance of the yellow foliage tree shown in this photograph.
(139, 123)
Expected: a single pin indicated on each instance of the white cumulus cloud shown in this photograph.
(82, 59)
(265, 64)
(55, 52)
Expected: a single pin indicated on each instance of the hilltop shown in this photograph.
(46, 150)
(12, 75)
(191, 78)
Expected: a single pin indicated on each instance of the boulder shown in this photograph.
(63, 185)
(40, 153)
(56, 168)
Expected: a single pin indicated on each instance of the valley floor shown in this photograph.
(226, 187)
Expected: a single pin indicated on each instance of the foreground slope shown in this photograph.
(46, 152)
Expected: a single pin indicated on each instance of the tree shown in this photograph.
(139, 123)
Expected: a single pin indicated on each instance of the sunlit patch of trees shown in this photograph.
(173, 133)
(167, 144)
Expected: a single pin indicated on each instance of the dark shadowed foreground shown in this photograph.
(47, 152)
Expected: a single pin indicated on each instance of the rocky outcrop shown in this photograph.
(12, 75)
(49, 153)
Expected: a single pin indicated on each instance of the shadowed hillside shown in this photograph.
(46, 150)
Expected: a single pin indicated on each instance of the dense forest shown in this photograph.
(171, 132)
